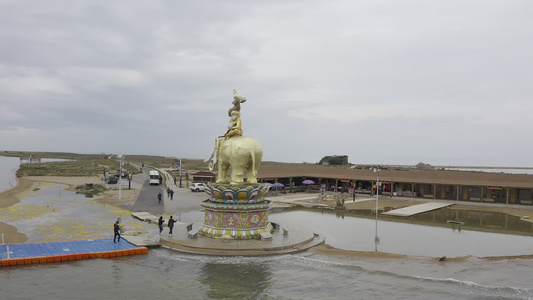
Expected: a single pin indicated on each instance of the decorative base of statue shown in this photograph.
(236, 212)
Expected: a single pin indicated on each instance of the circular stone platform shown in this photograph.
(295, 240)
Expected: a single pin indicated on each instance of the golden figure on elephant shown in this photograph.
(237, 100)
(235, 125)
(236, 151)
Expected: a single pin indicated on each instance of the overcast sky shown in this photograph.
(442, 82)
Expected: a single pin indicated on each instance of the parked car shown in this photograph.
(112, 180)
(123, 174)
(197, 187)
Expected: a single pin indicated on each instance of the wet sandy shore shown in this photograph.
(24, 184)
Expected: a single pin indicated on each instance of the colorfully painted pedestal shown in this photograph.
(236, 212)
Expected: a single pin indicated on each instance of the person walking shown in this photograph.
(116, 229)
(171, 225)
(159, 197)
(168, 192)
(171, 194)
(160, 224)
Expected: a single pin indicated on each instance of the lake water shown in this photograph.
(8, 169)
(165, 274)
(508, 171)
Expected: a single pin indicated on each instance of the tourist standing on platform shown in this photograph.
(171, 224)
(159, 197)
(171, 194)
(160, 224)
(116, 228)
(168, 192)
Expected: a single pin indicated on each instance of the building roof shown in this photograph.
(408, 176)
(203, 174)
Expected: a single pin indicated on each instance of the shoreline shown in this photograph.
(9, 198)
(12, 197)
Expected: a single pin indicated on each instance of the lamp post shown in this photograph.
(377, 190)
(376, 238)
(120, 156)
(180, 174)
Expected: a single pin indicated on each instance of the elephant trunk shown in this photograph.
(213, 164)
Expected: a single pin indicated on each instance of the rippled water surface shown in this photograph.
(162, 274)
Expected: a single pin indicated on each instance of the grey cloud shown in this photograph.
(385, 81)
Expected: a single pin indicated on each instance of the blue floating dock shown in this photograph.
(21, 254)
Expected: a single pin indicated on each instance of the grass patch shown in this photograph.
(90, 189)
(78, 165)
(94, 164)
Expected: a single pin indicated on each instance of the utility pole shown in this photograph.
(180, 173)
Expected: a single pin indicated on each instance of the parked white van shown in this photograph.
(155, 177)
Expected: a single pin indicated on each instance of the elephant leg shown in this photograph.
(253, 167)
(237, 175)
(222, 172)
(252, 174)
(251, 180)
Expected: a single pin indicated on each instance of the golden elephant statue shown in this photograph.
(240, 153)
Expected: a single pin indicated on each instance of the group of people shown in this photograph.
(170, 194)
(170, 224)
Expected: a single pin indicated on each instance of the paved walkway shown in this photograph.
(184, 200)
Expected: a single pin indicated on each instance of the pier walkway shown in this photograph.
(417, 209)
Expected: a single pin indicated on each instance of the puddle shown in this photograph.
(459, 219)
(428, 234)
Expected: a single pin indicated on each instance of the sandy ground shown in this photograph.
(13, 196)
